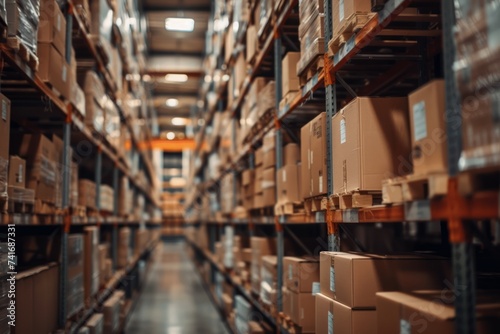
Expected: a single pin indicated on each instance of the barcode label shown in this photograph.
(342, 131)
(419, 120)
(330, 322)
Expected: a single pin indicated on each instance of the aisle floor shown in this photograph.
(173, 300)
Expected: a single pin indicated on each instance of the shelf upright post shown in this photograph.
(331, 109)
(66, 180)
(278, 55)
(460, 238)
(98, 178)
(114, 235)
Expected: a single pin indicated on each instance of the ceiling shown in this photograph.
(174, 52)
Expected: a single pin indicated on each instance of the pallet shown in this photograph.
(315, 204)
(351, 26)
(78, 211)
(310, 58)
(22, 51)
(479, 180)
(357, 199)
(414, 187)
(23, 207)
(44, 208)
(290, 208)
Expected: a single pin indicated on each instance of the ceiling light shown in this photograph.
(179, 24)
(208, 78)
(216, 78)
(170, 135)
(172, 103)
(225, 77)
(176, 78)
(179, 121)
(146, 78)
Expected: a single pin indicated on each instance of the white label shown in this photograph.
(312, 158)
(284, 176)
(332, 279)
(330, 322)
(4, 111)
(20, 176)
(64, 73)
(320, 183)
(404, 327)
(341, 10)
(315, 288)
(419, 120)
(290, 272)
(342, 131)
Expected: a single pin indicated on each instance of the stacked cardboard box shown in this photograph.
(252, 47)
(42, 173)
(91, 263)
(269, 170)
(104, 274)
(142, 237)
(95, 100)
(123, 247)
(4, 144)
(432, 312)
(269, 279)
(37, 299)
(349, 283)
(111, 310)
(226, 193)
(313, 157)
(344, 10)
(95, 324)
(22, 21)
(124, 198)
(301, 281)
(266, 99)
(101, 25)
(311, 33)
(87, 194)
(17, 191)
(362, 159)
(260, 247)
(288, 178)
(249, 111)
(477, 75)
(247, 187)
(289, 78)
(74, 285)
(107, 198)
(258, 197)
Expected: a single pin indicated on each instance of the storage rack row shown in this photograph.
(342, 72)
(42, 110)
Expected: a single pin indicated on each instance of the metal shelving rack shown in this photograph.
(452, 209)
(73, 125)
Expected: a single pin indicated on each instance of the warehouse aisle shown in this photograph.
(173, 300)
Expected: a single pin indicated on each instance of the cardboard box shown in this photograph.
(427, 312)
(313, 157)
(352, 321)
(301, 308)
(289, 76)
(4, 127)
(17, 172)
(301, 274)
(54, 69)
(369, 139)
(91, 264)
(52, 26)
(260, 247)
(95, 324)
(251, 43)
(37, 299)
(324, 314)
(342, 10)
(289, 184)
(111, 314)
(268, 178)
(353, 280)
(247, 177)
(291, 154)
(269, 158)
(428, 128)
(86, 193)
(259, 157)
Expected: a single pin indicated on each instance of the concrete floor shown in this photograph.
(173, 300)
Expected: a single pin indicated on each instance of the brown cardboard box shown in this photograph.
(428, 312)
(289, 74)
(291, 154)
(111, 314)
(54, 69)
(259, 157)
(301, 274)
(324, 314)
(247, 177)
(428, 128)
(353, 280)
(352, 321)
(247, 255)
(17, 172)
(86, 193)
(95, 324)
(300, 307)
(269, 178)
(313, 156)
(269, 158)
(370, 137)
(52, 26)
(269, 264)
(229, 44)
(289, 184)
(4, 127)
(251, 43)
(239, 72)
(91, 263)
(343, 9)
(260, 247)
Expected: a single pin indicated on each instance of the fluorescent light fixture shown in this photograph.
(170, 135)
(179, 121)
(176, 78)
(179, 24)
(146, 78)
(225, 77)
(172, 103)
